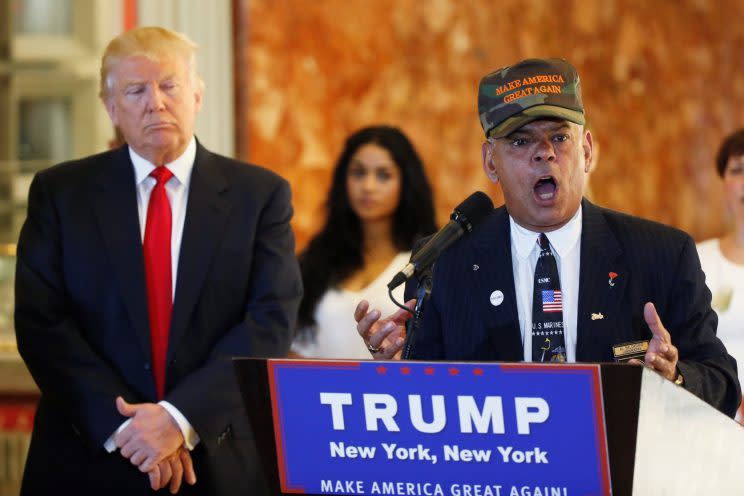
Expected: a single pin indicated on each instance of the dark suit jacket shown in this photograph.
(653, 263)
(82, 327)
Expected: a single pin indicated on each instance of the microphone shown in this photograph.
(466, 216)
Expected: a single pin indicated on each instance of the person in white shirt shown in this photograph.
(723, 258)
(379, 204)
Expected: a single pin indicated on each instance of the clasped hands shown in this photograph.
(384, 338)
(153, 442)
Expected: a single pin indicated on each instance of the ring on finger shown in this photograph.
(373, 349)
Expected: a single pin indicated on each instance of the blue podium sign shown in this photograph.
(449, 429)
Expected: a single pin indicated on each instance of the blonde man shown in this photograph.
(141, 271)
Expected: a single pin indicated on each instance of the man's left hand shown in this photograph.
(384, 338)
(662, 355)
(173, 470)
(150, 437)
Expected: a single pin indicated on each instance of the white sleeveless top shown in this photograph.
(336, 335)
(726, 281)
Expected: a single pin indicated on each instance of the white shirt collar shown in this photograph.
(562, 240)
(180, 167)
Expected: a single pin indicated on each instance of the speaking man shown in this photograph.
(551, 277)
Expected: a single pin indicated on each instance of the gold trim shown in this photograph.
(8, 249)
(8, 346)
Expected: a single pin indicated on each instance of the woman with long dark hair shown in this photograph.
(379, 204)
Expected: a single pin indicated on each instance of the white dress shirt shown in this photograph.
(177, 189)
(525, 249)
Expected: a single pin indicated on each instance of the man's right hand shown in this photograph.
(174, 469)
(384, 338)
(152, 436)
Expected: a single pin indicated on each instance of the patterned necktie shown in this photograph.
(548, 343)
(157, 250)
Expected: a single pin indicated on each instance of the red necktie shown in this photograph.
(157, 248)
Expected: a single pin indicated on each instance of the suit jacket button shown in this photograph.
(147, 365)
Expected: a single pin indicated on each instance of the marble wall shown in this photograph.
(663, 83)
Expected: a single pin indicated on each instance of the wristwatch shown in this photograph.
(680, 380)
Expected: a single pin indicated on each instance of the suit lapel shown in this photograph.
(494, 274)
(115, 203)
(602, 282)
(205, 221)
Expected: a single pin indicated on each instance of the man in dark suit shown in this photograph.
(550, 276)
(141, 272)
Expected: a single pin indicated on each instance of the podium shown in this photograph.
(470, 429)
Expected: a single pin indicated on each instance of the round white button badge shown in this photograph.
(497, 297)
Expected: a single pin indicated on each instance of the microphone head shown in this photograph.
(473, 210)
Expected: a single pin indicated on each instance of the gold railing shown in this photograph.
(14, 439)
(7, 273)
(13, 451)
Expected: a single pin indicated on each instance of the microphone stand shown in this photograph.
(423, 290)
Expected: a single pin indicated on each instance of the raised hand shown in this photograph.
(384, 338)
(661, 355)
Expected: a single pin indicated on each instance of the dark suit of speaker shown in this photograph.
(653, 263)
(82, 327)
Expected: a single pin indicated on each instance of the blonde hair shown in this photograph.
(152, 42)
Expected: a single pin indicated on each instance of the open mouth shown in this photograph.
(545, 188)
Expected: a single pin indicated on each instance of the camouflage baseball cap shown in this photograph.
(529, 90)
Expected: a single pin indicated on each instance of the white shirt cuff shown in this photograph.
(190, 437)
(110, 444)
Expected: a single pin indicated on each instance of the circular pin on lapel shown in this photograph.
(497, 297)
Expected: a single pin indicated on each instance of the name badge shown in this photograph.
(627, 351)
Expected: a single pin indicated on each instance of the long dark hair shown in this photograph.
(336, 251)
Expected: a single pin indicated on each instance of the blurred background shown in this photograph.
(287, 80)
(662, 85)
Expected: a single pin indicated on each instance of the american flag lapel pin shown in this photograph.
(611, 281)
